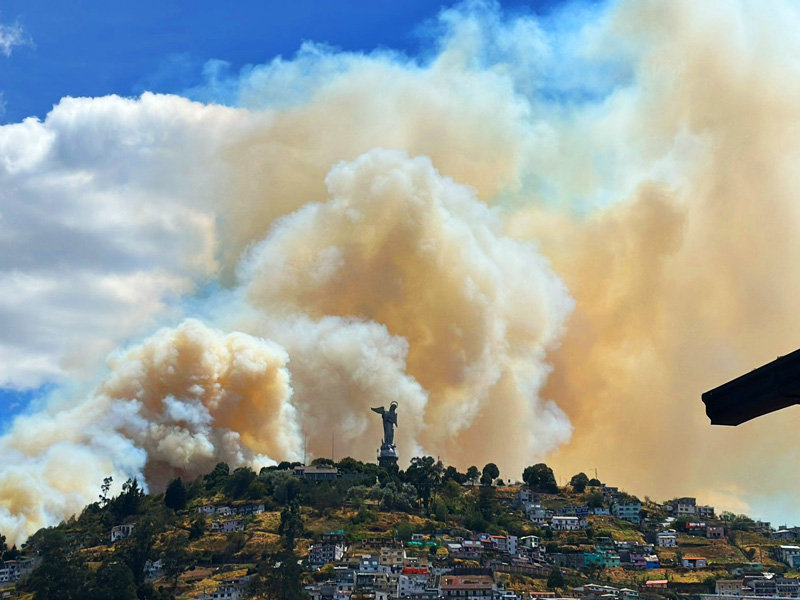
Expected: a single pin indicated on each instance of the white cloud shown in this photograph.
(104, 216)
(11, 36)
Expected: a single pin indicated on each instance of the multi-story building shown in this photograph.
(323, 553)
(667, 539)
(684, 507)
(627, 511)
(789, 555)
(506, 544)
(704, 512)
(391, 557)
(467, 587)
(120, 532)
(412, 581)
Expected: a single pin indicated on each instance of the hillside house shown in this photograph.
(667, 539)
(789, 555)
(391, 557)
(325, 552)
(467, 587)
(536, 514)
(559, 523)
(12, 570)
(227, 526)
(704, 512)
(715, 533)
(694, 562)
(505, 544)
(627, 511)
(684, 507)
(121, 532)
(656, 584)
(412, 581)
(316, 473)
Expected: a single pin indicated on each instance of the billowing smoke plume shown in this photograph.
(644, 149)
(173, 406)
(400, 287)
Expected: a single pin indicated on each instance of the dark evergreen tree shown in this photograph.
(175, 496)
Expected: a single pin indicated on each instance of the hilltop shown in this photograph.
(284, 532)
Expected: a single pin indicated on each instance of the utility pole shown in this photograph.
(333, 438)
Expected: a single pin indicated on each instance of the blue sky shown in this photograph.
(96, 48)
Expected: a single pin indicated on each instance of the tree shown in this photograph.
(541, 478)
(175, 496)
(104, 489)
(281, 577)
(59, 576)
(291, 526)
(489, 474)
(404, 531)
(322, 462)
(236, 485)
(129, 501)
(594, 500)
(113, 581)
(473, 474)
(425, 474)
(216, 479)
(452, 474)
(594, 483)
(556, 579)
(579, 482)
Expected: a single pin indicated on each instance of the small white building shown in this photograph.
(559, 523)
(667, 539)
(120, 532)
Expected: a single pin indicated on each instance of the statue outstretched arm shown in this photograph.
(380, 410)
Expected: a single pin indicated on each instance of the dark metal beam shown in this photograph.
(764, 390)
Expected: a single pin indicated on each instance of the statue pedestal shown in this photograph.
(387, 456)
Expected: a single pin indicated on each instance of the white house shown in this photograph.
(120, 532)
(559, 523)
(667, 539)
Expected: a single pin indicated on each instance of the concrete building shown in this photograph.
(412, 582)
(715, 533)
(325, 552)
(316, 473)
(120, 532)
(667, 539)
(694, 562)
(704, 512)
(560, 523)
(467, 587)
(391, 557)
(628, 511)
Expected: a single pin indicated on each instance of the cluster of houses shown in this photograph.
(384, 568)
(414, 578)
(756, 585)
(228, 519)
(575, 518)
(229, 589)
